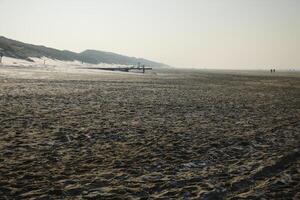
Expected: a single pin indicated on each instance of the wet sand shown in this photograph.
(165, 135)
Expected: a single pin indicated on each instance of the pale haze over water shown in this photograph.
(239, 34)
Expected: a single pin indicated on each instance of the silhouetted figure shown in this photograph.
(143, 69)
(273, 70)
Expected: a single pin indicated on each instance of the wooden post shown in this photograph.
(1, 55)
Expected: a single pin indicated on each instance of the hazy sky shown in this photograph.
(183, 33)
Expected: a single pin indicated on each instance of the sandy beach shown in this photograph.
(177, 134)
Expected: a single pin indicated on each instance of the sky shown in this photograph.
(240, 34)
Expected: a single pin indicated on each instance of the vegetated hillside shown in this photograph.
(94, 56)
(16, 49)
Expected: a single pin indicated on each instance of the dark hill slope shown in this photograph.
(113, 58)
(16, 49)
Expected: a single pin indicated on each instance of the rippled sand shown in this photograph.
(164, 135)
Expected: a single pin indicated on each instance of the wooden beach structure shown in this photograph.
(125, 69)
(1, 55)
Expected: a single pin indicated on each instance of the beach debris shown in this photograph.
(186, 195)
(88, 136)
(189, 165)
(69, 139)
(151, 177)
(285, 178)
(215, 194)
